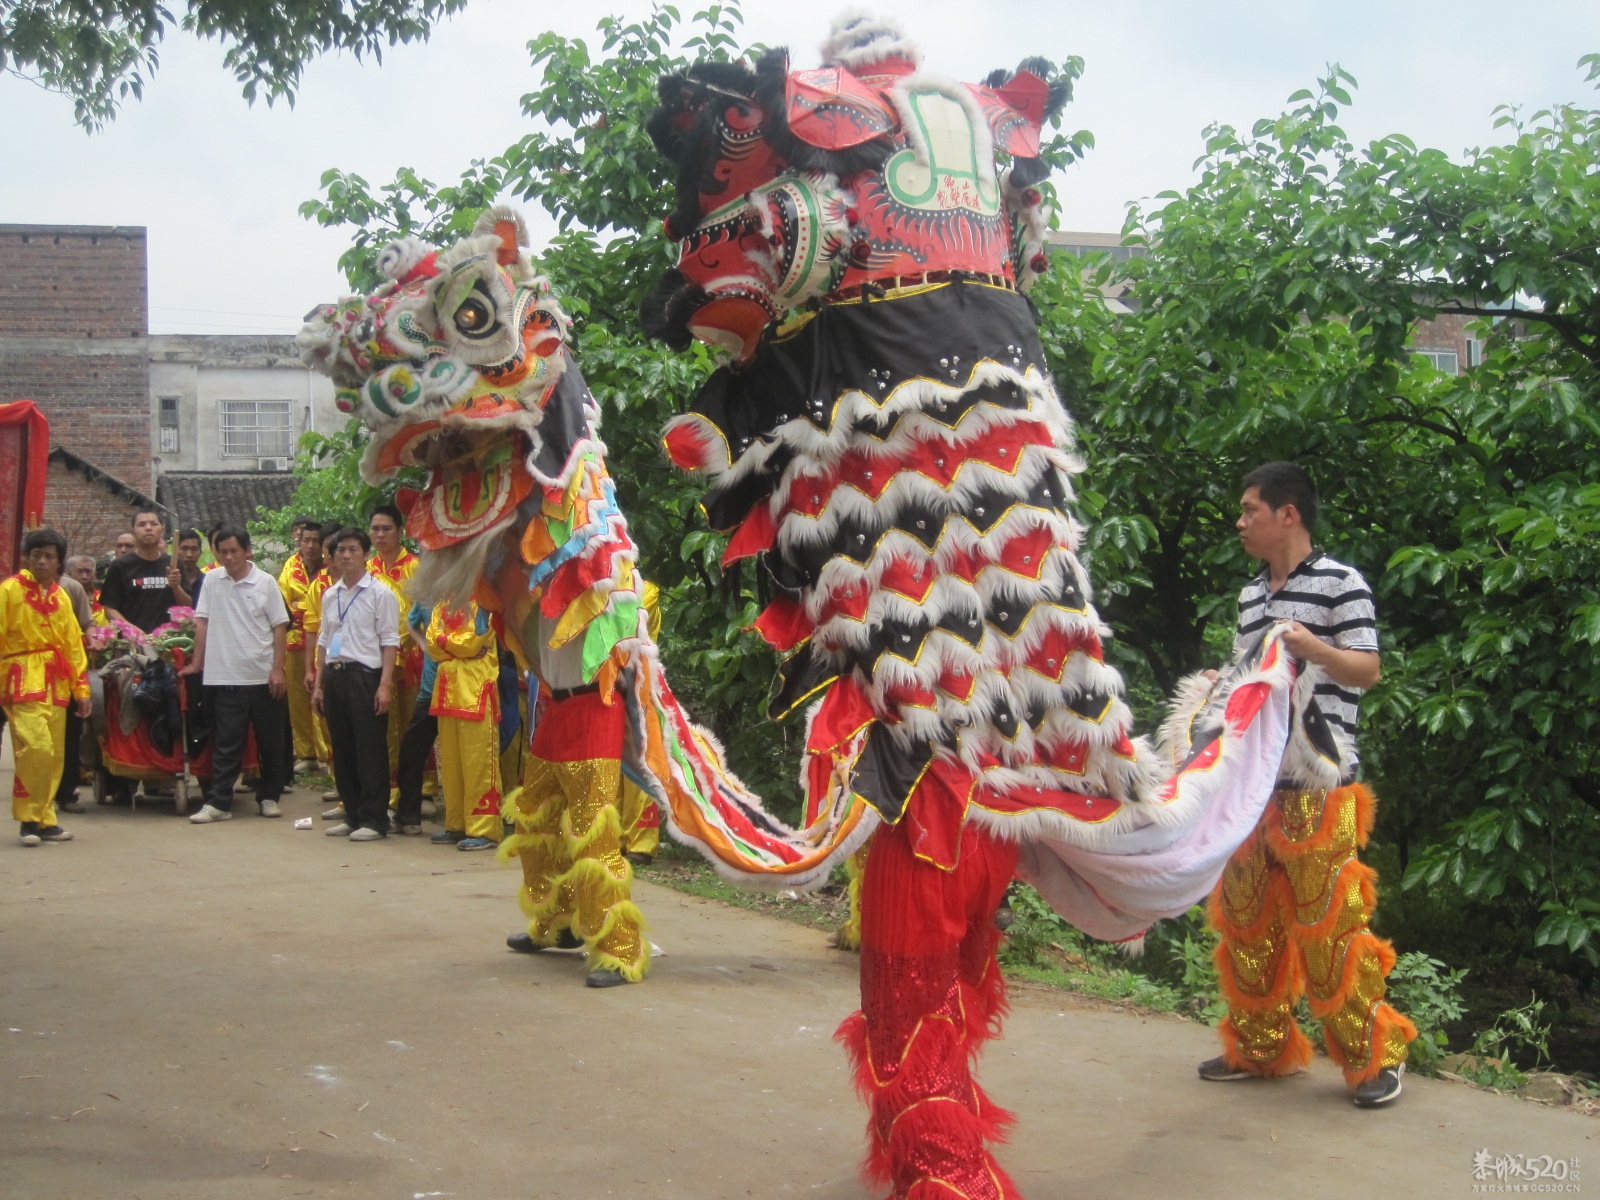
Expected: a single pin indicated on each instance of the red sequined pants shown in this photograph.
(931, 995)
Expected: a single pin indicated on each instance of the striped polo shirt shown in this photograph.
(1334, 602)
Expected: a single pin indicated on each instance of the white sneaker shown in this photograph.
(210, 813)
(304, 766)
(239, 785)
(336, 813)
(339, 830)
(429, 808)
(365, 835)
(30, 839)
(269, 808)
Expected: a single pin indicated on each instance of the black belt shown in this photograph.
(353, 666)
(569, 693)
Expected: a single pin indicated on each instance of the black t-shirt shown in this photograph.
(137, 588)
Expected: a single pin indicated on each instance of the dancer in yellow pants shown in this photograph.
(576, 883)
(466, 700)
(295, 582)
(43, 669)
(1294, 902)
(1292, 910)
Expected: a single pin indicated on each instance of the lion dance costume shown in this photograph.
(887, 439)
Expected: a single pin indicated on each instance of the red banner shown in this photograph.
(24, 462)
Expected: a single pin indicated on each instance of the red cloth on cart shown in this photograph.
(135, 754)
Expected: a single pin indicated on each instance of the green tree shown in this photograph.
(590, 164)
(102, 52)
(1275, 299)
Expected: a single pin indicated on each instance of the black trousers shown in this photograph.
(71, 761)
(415, 742)
(360, 740)
(235, 710)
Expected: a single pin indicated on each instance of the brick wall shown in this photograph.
(88, 513)
(73, 281)
(74, 325)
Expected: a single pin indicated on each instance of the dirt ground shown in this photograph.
(250, 1010)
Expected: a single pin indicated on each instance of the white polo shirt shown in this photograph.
(358, 622)
(240, 615)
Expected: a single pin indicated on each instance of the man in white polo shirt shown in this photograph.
(241, 640)
(353, 685)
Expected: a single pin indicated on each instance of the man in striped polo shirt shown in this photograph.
(1293, 907)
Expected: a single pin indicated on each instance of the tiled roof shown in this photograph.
(203, 498)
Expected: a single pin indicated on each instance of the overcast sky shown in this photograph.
(218, 182)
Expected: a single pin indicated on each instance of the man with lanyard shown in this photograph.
(239, 643)
(294, 581)
(394, 565)
(353, 686)
(1294, 903)
(137, 587)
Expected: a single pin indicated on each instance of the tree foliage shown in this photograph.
(102, 52)
(1276, 299)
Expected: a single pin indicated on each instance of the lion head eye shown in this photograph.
(473, 316)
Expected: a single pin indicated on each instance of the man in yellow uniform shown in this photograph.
(312, 627)
(466, 701)
(391, 563)
(43, 670)
(294, 581)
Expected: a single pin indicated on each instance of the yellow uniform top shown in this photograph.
(462, 642)
(408, 664)
(650, 598)
(41, 646)
(294, 581)
(311, 619)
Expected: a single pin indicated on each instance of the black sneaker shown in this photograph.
(447, 837)
(1382, 1088)
(1219, 1070)
(29, 836)
(604, 977)
(523, 943)
(53, 833)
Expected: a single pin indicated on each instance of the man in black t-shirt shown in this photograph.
(136, 587)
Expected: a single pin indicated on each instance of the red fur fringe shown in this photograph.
(911, 1118)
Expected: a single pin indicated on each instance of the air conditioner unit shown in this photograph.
(272, 464)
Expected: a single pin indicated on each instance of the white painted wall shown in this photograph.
(203, 371)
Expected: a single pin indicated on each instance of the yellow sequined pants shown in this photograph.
(569, 836)
(1292, 911)
(641, 820)
(309, 731)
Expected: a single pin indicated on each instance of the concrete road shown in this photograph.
(248, 1010)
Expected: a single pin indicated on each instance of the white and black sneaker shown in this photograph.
(1383, 1088)
(1219, 1070)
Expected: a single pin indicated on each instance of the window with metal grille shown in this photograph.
(257, 429)
(168, 424)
